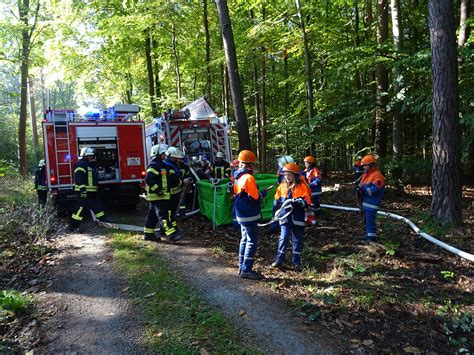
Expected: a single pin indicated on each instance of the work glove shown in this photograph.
(263, 193)
(188, 181)
(83, 194)
(299, 202)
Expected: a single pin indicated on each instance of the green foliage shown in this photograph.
(448, 275)
(458, 326)
(13, 303)
(178, 320)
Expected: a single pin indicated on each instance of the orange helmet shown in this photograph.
(247, 156)
(309, 159)
(234, 163)
(294, 168)
(357, 162)
(368, 159)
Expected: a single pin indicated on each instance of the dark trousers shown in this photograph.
(160, 212)
(84, 204)
(42, 197)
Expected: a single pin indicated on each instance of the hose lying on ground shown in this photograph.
(280, 214)
(417, 230)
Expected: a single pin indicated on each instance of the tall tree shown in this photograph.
(208, 52)
(149, 69)
(234, 77)
(34, 128)
(381, 74)
(308, 66)
(464, 27)
(446, 185)
(174, 44)
(397, 86)
(25, 14)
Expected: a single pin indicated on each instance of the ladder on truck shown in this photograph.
(56, 125)
(220, 140)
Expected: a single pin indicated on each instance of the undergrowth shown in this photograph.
(178, 321)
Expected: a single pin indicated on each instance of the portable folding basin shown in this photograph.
(223, 208)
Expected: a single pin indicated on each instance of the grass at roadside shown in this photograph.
(176, 319)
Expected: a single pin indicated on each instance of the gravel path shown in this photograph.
(261, 316)
(91, 314)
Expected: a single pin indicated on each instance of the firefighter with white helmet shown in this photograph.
(157, 194)
(282, 161)
(221, 168)
(171, 180)
(86, 184)
(41, 186)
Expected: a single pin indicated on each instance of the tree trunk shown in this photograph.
(234, 78)
(287, 101)
(257, 111)
(464, 28)
(263, 103)
(208, 52)
(149, 69)
(446, 185)
(23, 10)
(308, 68)
(174, 43)
(380, 143)
(34, 128)
(397, 86)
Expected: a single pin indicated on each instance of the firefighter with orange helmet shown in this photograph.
(371, 188)
(313, 178)
(247, 203)
(86, 184)
(282, 161)
(358, 169)
(292, 187)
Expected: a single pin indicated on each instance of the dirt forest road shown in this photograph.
(93, 315)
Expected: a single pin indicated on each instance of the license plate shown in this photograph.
(133, 161)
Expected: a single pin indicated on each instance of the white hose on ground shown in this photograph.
(417, 230)
(286, 206)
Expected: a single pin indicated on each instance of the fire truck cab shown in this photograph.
(118, 138)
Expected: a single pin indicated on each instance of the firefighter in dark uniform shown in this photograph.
(185, 175)
(157, 192)
(86, 184)
(40, 184)
(175, 185)
(221, 168)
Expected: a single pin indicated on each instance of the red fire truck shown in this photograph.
(118, 138)
(196, 129)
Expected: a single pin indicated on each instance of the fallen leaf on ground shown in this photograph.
(355, 341)
(150, 295)
(125, 289)
(203, 351)
(367, 342)
(241, 312)
(412, 350)
(101, 262)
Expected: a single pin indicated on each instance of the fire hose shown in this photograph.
(417, 230)
(283, 212)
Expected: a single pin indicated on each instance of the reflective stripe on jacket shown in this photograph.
(299, 191)
(247, 199)
(86, 177)
(40, 179)
(373, 187)
(156, 180)
(313, 177)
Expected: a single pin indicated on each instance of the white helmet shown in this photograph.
(285, 159)
(158, 149)
(220, 155)
(87, 152)
(174, 152)
(41, 163)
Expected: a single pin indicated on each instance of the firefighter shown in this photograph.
(185, 176)
(282, 161)
(292, 187)
(247, 202)
(358, 170)
(371, 189)
(175, 187)
(157, 192)
(221, 168)
(40, 184)
(313, 179)
(86, 184)
(234, 166)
